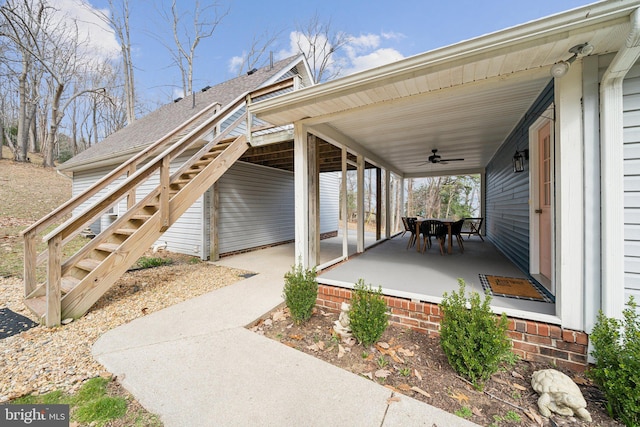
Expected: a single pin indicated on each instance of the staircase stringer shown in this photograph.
(96, 283)
(208, 176)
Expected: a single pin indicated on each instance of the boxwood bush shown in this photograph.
(368, 313)
(473, 338)
(300, 292)
(616, 348)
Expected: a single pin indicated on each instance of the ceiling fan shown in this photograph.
(436, 158)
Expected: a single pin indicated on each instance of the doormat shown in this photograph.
(513, 287)
(12, 323)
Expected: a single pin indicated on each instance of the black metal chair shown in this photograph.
(411, 227)
(472, 226)
(433, 228)
(456, 230)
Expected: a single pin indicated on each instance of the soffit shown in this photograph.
(464, 102)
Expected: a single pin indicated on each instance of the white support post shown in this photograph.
(569, 199)
(343, 206)
(387, 203)
(314, 200)
(401, 190)
(301, 187)
(612, 184)
(483, 192)
(360, 204)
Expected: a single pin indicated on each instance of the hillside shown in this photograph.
(27, 193)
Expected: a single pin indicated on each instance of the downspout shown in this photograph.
(611, 178)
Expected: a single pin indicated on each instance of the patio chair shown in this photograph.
(471, 227)
(433, 228)
(405, 224)
(411, 227)
(456, 230)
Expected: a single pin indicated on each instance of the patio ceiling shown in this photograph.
(463, 99)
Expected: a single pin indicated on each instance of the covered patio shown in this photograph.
(531, 92)
(404, 272)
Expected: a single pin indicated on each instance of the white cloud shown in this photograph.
(392, 35)
(374, 59)
(235, 63)
(359, 53)
(366, 41)
(100, 39)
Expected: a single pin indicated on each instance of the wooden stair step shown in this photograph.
(88, 264)
(68, 283)
(210, 156)
(126, 231)
(37, 305)
(108, 247)
(202, 163)
(143, 217)
(221, 146)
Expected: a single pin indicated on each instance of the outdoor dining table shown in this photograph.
(446, 221)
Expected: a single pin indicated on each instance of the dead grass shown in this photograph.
(28, 192)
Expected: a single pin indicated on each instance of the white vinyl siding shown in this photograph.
(257, 207)
(82, 181)
(632, 184)
(329, 201)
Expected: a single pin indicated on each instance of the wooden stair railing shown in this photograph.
(73, 286)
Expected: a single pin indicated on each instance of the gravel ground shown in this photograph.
(40, 360)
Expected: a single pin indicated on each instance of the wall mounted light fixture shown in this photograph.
(518, 160)
(561, 68)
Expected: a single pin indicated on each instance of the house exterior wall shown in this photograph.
(631, 170)
(507, 193)
(256, 207)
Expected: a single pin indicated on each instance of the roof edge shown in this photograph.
(592, 14)
(110, 159)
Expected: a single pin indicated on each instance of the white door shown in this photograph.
(545, 188)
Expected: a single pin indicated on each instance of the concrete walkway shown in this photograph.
(195, 364)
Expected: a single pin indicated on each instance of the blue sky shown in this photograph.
(386, 31)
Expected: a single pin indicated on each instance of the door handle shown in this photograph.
(538, 210)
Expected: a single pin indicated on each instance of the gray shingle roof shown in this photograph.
(158, 123)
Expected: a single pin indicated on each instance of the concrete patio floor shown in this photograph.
(426, 276)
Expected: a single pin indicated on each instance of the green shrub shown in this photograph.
(474, 339)
(300, 292)
(149, 262)
(616, 348)
(368, 313)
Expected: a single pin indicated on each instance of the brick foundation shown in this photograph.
(534, 341)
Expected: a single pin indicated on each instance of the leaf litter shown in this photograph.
(417, 367)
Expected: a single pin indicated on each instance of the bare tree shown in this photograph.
(189, 29)
(254, 57)
(118, 20)
(21, 24)
(50, 43)
(319, 42)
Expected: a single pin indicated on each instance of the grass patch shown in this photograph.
(12, 261)
(94, 404)
(149, 262)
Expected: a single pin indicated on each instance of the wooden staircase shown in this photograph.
(73, 285)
